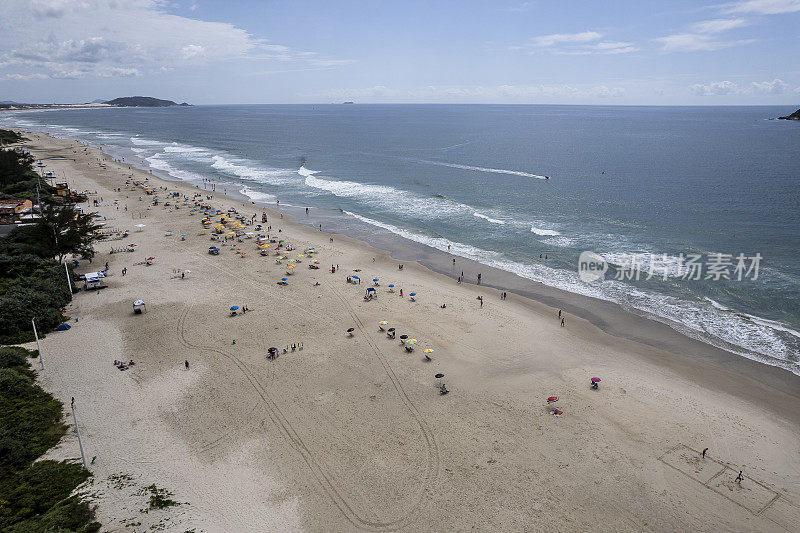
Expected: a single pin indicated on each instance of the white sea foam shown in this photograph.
(258, 196)
(157, 162)
(184, 148)
(483, 169)
(388, 197)
(303, 171)
(657, 265)
(544, 232)
(561, 241)
(488, 219)
(139, 141)
(751, 337)
(250, 170)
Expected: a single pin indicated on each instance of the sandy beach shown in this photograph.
(351, 433)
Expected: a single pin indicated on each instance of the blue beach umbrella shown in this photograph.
(412, 294)
(374, 279)
(234, 307)
(355, 277)
(391, 285)
(284, 279)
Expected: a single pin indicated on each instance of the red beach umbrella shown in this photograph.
(596, 380)
(552, 399)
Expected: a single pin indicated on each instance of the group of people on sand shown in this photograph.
(122, 365)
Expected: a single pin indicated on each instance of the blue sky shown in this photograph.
(542, 51)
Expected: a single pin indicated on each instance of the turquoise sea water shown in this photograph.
(638, 185)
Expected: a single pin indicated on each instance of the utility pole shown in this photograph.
(78, 432)
(39, 348)
(69, 281)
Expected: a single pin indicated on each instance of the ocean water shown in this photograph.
(643, 184)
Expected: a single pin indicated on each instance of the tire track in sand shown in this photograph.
(325, 479)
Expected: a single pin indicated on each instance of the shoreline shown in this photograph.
(610, 317)
(350, 432)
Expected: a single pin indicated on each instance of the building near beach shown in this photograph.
(11, 210)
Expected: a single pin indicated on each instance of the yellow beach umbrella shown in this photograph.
(427, 350)
(412, 341)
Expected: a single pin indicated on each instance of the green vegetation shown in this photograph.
(143, 101)
(18, 178)
(10, 136)
(32, 278)
(159, 498)
(35, 496)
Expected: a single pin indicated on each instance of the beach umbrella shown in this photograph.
(412, 294)
(183, 235)
(371, 289)
(557, 413)
(412, 342)
(552, 399)
(374, 279)
(234, 307)
(439, 376)
(138, 302)
(390, 329)
(596, 380)
(383, 323)
(427, 350)
(391, 285)
(284, 279)
(355, 277)
(350, 331)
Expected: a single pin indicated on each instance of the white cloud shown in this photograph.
(192, 50)
(691, 42)
(556, 38)
(715, 88)
(721, 88)
(25, 77)
(85, 38)
(764, 7)
(775, 86)
(476, 93)
(576, 44)
(718, 25)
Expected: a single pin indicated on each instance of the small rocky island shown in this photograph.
(793, 116)
(143, 101)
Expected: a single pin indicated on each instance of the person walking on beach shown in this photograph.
(186, 363)
(562, 322)
(479, 279)
(124, 271)
(559, 313)
(704, 452)
(480, 299)
(401, 293)
(739, 478)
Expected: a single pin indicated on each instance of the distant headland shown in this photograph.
(793, 116)
(125, 101)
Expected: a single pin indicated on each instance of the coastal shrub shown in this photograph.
(30, 420)
(72, 514)
(37, 488)
(11, 136)
(16, 357)
(35, 496)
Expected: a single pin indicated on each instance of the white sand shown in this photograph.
(351, 433)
